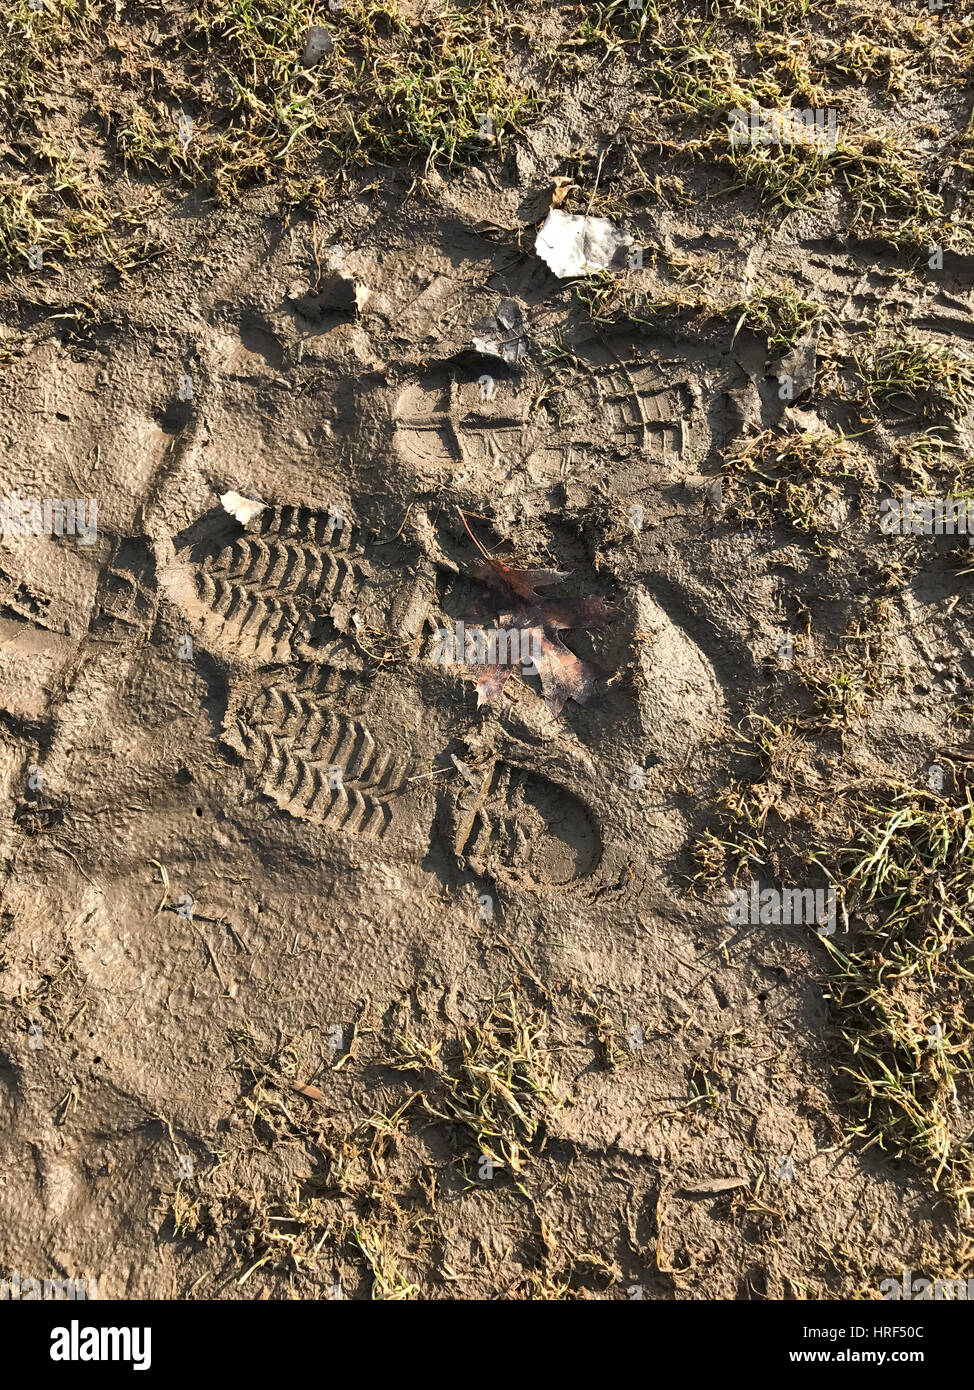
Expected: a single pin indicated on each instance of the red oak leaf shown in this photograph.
(538, 619)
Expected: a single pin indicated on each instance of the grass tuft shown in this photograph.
(901, 994)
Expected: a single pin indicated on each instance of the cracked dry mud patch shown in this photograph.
(284, 1016)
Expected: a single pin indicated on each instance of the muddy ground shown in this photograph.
(473, 1020)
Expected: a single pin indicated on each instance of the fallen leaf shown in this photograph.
(571, 245)
(466, 772)
(801, 363)
(242, 509)
(563, 675)
(311, 1092)
(715, 493)
(712, 1187)
(502, 334)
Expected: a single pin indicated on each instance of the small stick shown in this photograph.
(485, 553)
